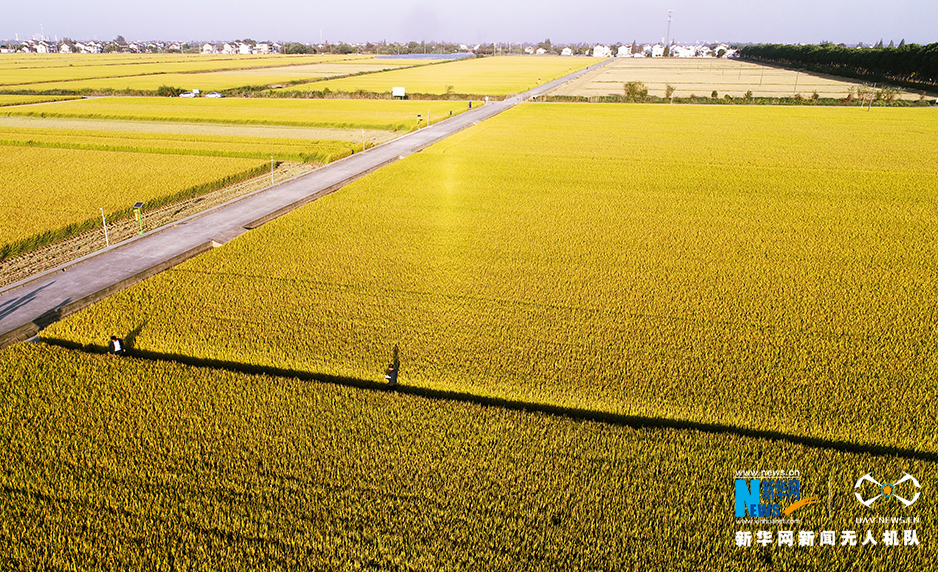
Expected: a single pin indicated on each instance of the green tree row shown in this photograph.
(908, 63)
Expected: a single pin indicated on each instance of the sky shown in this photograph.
(478, 21)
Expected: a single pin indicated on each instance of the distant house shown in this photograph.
(566, 52)
(601, 51)
(262, 49)
(228, 49)
(682, 52)
(64, 48)
(244, 49)
(208, 49)
(624, 52)
(657, 51)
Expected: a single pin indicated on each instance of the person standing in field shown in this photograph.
(116, 346)
(391, 375)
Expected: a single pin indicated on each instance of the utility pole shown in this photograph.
(667, 40)
(104, 220)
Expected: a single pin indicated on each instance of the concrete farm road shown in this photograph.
(30, 305)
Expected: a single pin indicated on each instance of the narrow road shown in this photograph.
(32, 304)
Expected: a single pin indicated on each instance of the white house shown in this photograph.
(208, 49)
(657, 51)
(262, 49)
(228, 49)
(566, 52)
(64, 48)
(601, 51)
(682, 52)
(244, 49)
(624, 52)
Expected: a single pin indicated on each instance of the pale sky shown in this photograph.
(472, 21)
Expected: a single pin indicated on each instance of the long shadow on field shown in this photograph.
(634, 421)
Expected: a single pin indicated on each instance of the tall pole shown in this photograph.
(104, 221)
(667, 40)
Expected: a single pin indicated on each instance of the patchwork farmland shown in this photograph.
(602, 312)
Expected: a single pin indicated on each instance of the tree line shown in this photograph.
(909, 64)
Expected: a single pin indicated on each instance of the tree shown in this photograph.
(635, 90)
(668, 90)
(120, 39)
(168, 91)
(298, 48)
(635, 48)
(545, 45)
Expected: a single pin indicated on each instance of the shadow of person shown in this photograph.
(131, 338)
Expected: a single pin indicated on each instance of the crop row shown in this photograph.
(254, 78)
(6, 100)
(29, 73)
(121, 463)
(304, 150)
(358, 114)
(737, 275)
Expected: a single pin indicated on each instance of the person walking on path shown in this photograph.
(116, 346)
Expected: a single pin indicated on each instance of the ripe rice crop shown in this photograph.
(50, 193)
(770, 269)
(220, 80)
(135, 464)
(305, 150)
(6, 100)
(42, 73)
(482, 76)
(358, 114)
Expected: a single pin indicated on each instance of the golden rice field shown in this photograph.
(332, 113)
(764, 269)
(123, 463)
(51, 193)
(496, 76)
(227, 130)
(701, 76)
(260, 77)
(6, 100)
(26, 71)
(304, 150)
